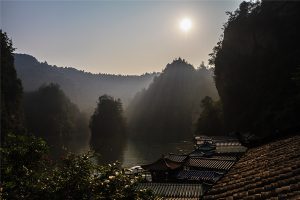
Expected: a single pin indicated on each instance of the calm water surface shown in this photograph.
(141, 152)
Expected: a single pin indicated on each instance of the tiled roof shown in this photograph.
(162, 164)
(218, 140)
(197, 175)
(271, 171)
(225, 143)
(176, 158)
(173, 190)
(175, 198)
(220, 157)
(231, 149)
(197, 152)
(210, 163)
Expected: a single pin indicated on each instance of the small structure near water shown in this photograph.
(211, 159)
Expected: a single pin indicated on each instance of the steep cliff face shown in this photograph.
(254, 67)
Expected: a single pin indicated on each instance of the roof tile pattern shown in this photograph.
(271, 171)
(210, 163)
(176, 158)
(173, 190)
(163, 164)
(197, 175)
(231, 149)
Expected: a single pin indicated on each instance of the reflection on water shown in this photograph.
(135, 152)
(141, 152)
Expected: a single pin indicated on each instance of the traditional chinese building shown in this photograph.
(164, 169)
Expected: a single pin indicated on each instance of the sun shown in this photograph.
(185, 24)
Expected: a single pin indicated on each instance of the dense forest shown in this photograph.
(51, 115)
(257, 68)
(211, 118)
(168, 109)
(27, 169)
(83, 88)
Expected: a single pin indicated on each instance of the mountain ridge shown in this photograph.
(82, 87)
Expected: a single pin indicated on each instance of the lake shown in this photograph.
(140, 152)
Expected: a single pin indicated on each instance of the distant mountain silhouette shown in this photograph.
(168, 108)
(82, 87)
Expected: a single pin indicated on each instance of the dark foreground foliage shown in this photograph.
(11, 90)
(28, 173)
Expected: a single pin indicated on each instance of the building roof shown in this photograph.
(176, 158)
(209, 163)
(228, 143)
(173, 190)
(272, 170)
(218, 140)
(163, 164)
(197, 152)
(231, 149)
(223, 157)
(197, 175)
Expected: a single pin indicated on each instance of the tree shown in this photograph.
(167, 109)
(108, 128)
(254, 66)
(11, 91)
(210, 121)
(28, 173)
(52, 116)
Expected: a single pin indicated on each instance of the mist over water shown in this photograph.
(139, 152)
(159, 118)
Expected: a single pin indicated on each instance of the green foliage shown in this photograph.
(108, 128)
(51, 115)
(211, 120)
(11, 90)
(28, 173)
(256, 65)
(21, 165)
(168, 108)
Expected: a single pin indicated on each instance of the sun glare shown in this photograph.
(185, 24)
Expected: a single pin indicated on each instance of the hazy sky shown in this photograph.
(122, 37)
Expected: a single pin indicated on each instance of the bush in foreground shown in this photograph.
(27, 172)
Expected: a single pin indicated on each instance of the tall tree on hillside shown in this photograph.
(108, 129)
(166, 110)
(211, 120)
(254, 67)
(51, 115)
(11, 90)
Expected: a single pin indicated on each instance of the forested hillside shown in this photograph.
(51, 115)
(169, 107)
(257, 68)
(83, 88)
